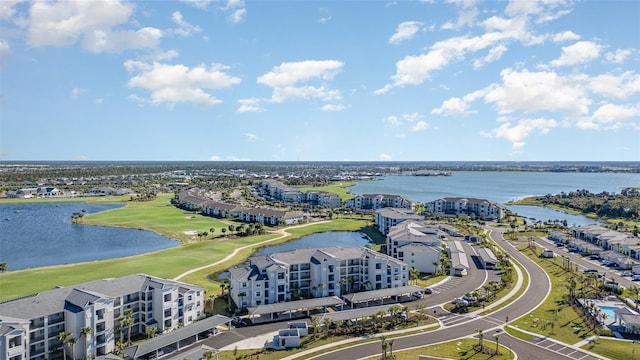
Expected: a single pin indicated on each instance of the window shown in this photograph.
(167, 297)
(378, 266)
(244, 285)
(378, 277)
(280, 276)
(258, 293)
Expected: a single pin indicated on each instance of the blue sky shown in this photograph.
(320, 80)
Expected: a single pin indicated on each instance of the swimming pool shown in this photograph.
(608, 310)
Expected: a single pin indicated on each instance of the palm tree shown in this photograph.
(241, 294)
(209, 354)
(343, 282)
(390, 342)
(127, 320)
(315, 322)
(63, 336)
(3, 266)
(212, 298)
(384, 346)
(480, 338)
(86, 331)
(72, 343)
(327, 324)
(150, 331)
(497, 337)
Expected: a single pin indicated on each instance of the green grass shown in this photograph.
(554, 317)
(164, 219)
(517, 333)
(455, 349)
(613, 349)
(339, 189)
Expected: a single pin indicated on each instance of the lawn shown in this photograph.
(456, 349)
(554, 317)
(339, 188)
(164, 219)
(613, 349)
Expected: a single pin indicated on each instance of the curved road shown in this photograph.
(533, 296)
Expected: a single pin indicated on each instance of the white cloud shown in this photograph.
(200, 4)
(405, 31)
(91, 23)
(7, 8)
(333, 107)
(517, 134)
(185, 28)
(537, 91)
(612, 115)
(565, 36)
(619, 56)
(619, 86)
(81, 158)
(5, 50)
(420, 126)
(178, 83)
(215, 158)
(452, 107)
(288, 80)
(384, 157)
(98, 101)
(249, 105)
(392, 120)
(237, 15)
(324, 19)
(578, 53)
(251, 137)
(495, 53)
(75, 92)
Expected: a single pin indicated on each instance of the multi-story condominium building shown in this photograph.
(282, 192)
(317, 272)
(416, 243)
(386, 218)
(271, 216)
(99, 307)
(481, 208)
(378, 201)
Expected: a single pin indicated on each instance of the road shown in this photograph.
(534, 295)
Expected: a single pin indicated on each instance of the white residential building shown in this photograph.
(481, 208)
(164, 304)
(317, 272)
(379, 201)
(386, 218)
(416, 243)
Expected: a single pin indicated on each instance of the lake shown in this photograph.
(501, 187)
(42, 234)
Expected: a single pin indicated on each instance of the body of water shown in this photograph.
(325, 239)
(42, 234)
(501, 187)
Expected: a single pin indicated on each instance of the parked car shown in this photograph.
(636, 277)
(470, 299)
(428, 291)
(626, 274)
(590, 271)
(460, 302)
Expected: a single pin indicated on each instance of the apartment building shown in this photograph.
(317, 272)
(279, 191)
(481, 208)
(378, 201)
(97, 306)
(386, 218)
(416, 243)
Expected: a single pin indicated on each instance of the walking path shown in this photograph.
(283, 233)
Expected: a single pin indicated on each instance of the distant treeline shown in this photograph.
(625, 205)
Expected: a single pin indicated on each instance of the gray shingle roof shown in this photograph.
(381, 294)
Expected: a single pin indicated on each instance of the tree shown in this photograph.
(241, 294)
(390, 342)
(127, 320)
(327, 324)
(315, 323)
(3, 266)
(384, 346)
(480, 338)
(497, 337)
(150, 331)
(62, 337)
(343, 282)
(72, 344)
(86, 331)
(209, 354)
(212, 299)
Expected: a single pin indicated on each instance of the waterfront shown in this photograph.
(501, 187)
(42, 234)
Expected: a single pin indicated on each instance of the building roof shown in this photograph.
(295, 305)
(459, 260)
(487, 255)
(160, 341)
(381, 293)
(398, 213)
(359, 313)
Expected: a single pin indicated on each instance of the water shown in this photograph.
(501, 187)
(609, 311)
(325, 239)
(34, 235)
